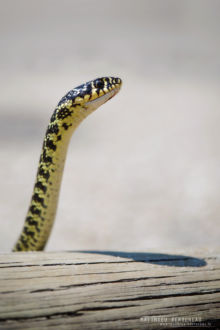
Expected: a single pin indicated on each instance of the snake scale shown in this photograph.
(76, 105)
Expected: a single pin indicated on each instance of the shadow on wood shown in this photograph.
(110, 290)
(176, 260)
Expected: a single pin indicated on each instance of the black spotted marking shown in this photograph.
(65, 126)
(54, 115)
(59, 137)
(40, 185)
(38, 199)
(29, 233)
(34, 210)
(46, 158)
(89, 89)
(33, 222)
(49, 143)
(98, 91)
(24, 241)
(18, 247)
(44, 174)
(64, 113)
(52, 129)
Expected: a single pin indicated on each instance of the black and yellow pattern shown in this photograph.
(69, 113)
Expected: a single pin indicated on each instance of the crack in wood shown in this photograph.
(180, 283)
(150, 297)
(79, 312)
(66, 287)
(68, 264)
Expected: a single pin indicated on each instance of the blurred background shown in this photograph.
(144, 170)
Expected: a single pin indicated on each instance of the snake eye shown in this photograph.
(99, 84)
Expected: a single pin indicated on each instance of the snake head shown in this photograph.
(92, 94)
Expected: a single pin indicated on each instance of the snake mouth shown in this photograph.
(102, 99)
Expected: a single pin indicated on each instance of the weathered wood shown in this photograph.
(110, 290)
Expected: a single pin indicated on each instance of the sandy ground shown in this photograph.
(143, 171)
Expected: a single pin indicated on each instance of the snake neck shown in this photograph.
(43, 205)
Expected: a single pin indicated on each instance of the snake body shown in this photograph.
(76, 105)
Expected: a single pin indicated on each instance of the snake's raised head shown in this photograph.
(78, 103)
(100, 91)
(92, 94)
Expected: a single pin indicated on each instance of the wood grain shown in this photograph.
(110, 290)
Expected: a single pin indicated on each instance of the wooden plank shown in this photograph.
(110, 290)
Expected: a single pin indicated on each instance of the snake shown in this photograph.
(71, 110)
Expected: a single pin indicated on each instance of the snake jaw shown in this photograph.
(94, 104)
